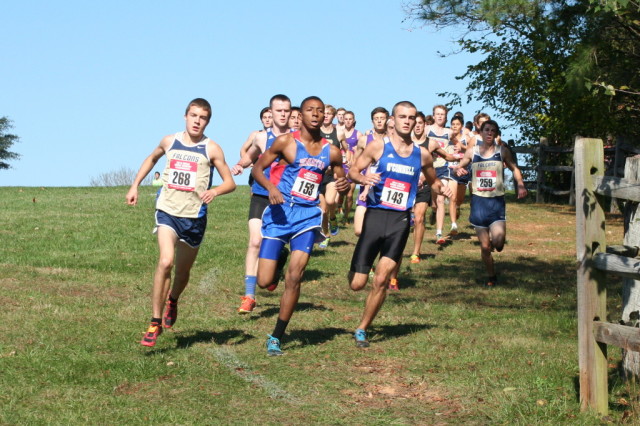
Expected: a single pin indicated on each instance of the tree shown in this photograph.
(550, 67)
(121, 177)
(6, 141)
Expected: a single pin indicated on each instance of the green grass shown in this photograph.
(76, 266)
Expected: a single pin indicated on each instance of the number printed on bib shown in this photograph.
(306, 185)
(182, 175)
(395, 194)
(487, 180)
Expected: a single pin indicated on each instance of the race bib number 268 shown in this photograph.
(182, 175)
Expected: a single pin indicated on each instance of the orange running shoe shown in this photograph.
(151, 335)
(247, 305)
(393, 285)
(415, 258)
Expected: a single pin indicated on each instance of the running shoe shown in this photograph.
(361, 338)
(273, 346)
(492, 281)
(454, 229)
(247, 305)
(333, 229)
(282, 261)
(440, 239)
(393, 285)
(324, 244)
(415, 258)
(170, 314)
(151, 335)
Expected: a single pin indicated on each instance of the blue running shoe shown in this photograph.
(333, 228)
(273, 346)
(361, 338)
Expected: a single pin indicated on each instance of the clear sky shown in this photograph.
(92, 87)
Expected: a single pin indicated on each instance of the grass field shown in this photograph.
(76, 266)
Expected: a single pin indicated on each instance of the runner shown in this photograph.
(328, 193)
(458, 184)
(386, 224)
(487, 201)
(379, 117)
(352, 136)
(267, 120)
(294, 119)
(423, 196)
(280, 106)
(181, 215)
(340, 117)
(438, 133)
(293, 215)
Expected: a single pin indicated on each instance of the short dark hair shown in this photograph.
(458, 118)
(279, 97)
(199, 102)
(310, 98)
(420, 114)
(295, 108)
(263, 110)
(379, 110)
(405, 104)
(492, 123)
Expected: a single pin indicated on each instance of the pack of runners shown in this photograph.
(305, 172)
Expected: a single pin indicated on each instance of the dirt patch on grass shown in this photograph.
(385, 384)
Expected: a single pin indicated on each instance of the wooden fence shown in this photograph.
(595, 260)
(548, 159)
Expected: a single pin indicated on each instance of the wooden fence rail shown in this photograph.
(547, 163)
(595, 261)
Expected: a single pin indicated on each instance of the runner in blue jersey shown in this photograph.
(280, 107)
(293, 215)
(488, 215)
(386, 223)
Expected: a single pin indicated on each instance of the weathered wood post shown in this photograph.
(590, 240)
(541, 161)
(630, 287)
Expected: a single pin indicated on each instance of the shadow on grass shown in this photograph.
(381, 333)
(219, 338)
(551, 280)
(275, 309)
(315, 336)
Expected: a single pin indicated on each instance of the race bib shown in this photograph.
(306, 185)
(182, 175)
(395, 194)
(486, 180)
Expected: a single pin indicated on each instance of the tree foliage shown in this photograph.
(6, 141)
(554, 68)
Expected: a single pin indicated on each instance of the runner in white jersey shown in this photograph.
(488, 214)
(280, 107)
(181, 215)
(441, 135)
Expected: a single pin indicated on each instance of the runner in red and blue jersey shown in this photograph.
(293, 215)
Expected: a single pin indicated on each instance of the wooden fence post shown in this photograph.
(541, 161)
(592, 297)
(631, 288)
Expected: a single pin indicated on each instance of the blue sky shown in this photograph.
(92, 87)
